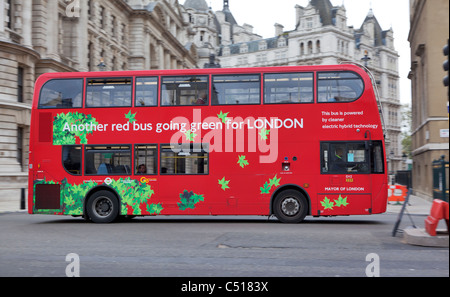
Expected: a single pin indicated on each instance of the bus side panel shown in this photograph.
(380, 197)
(345, 204)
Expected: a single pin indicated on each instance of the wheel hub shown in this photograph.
(103, 207)
(290, 206)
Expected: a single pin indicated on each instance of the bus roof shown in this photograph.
(278, 69)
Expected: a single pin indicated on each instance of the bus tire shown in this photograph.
(102, 207)
(290, 207)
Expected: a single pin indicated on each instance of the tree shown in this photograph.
(407, 130)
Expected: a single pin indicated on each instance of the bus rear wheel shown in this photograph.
(102, 207)
(290, 207)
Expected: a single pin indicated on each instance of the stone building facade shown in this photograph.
(428, 34)
(39, 36)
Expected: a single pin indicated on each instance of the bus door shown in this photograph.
(184, 178)
(345, 181)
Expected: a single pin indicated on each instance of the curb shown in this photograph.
(421, 238)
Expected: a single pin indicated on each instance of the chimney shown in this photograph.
(278, 29)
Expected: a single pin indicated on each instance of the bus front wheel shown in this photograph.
(102, 207)
(290, 206)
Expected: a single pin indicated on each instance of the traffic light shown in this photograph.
(446, 65)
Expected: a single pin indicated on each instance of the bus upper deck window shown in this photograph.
(62, 93)
(146, 91)
(288, 88)
(109, 92)
(339, 87)
(184, 91)
(236, 89)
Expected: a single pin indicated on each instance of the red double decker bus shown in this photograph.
(283, 141)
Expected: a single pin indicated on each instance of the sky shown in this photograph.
(263, 14)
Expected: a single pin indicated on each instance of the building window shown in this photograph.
(113, 26)
(9, 23)
(89, 5)
(91, 50)
(20, 80)
(309, 23)
(282, 42)
(20, 139)
(310, 47)
(243, 49)
(102, 17)
(124, 32)
(262, 45)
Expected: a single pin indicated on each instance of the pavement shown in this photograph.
(417, 206)
(414, 235)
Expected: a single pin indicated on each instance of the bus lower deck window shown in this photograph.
(344, 158)
(184, 159)
(71, 159)
(108, 160)
(377, 157)
(146, 159)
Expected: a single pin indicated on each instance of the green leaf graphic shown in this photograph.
(68, 126)
(154, 208)
(327, 204)
(224, 183)
(274, 181)
(265, 189)
(130, 116)
(341, 201)
(242, 161)
(264, 133)
(223, 116)
(190, 135)
(189, 200)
